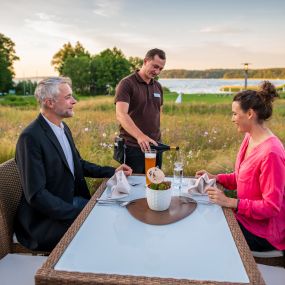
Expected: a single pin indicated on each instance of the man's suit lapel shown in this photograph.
(76, 161)
(50, 134)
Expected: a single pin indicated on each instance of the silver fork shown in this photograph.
(120, 203)
(134, 184)
(185, 200)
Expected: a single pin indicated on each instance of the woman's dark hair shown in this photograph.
(260, 101)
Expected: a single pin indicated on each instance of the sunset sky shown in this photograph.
(196, 34)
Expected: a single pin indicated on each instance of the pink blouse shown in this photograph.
(260, 183)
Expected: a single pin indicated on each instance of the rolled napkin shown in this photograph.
(201, 185)
(119, 185)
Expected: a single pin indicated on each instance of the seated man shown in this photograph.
(51, 170)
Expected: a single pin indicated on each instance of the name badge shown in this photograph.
(157, 95)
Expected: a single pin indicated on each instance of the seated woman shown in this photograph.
(259, 175)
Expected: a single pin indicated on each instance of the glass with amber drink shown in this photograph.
(150, 161)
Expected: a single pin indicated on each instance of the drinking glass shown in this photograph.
(150, 161)
(178, 173)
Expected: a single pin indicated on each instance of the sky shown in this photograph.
(195, 34)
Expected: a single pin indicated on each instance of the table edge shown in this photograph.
(47, 275)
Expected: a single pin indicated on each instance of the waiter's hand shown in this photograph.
(127, 170)
(143, 141)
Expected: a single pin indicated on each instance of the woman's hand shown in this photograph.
(201, 172)
(127, 170)
(217, 196)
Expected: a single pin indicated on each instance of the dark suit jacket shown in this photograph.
(46, 208)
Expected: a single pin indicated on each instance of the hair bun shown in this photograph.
(267, 91)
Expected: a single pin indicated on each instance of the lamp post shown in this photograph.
(245, 65)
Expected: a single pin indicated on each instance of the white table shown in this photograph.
(111, 241)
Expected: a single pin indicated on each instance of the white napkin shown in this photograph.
(119, 185)
(201, 185)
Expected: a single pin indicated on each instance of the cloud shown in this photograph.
(47, 25)
(222, 30)
(44, 16)
(107, 8)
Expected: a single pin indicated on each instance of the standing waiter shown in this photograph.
(139, 100)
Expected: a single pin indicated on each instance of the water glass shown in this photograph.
(178, 176)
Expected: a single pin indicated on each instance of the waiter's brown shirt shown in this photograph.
(144, 102)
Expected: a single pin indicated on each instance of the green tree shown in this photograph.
(78, 69)
(25, 87)
(7, 58)
(66, 51)
(136, 63)
(107, 69)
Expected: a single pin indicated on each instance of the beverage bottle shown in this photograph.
(160, 147)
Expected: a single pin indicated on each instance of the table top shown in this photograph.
(111, 242)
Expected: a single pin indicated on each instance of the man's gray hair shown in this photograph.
(49, 88)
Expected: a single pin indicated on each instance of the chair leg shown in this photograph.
(273, 261)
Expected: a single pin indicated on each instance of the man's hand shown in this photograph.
(201, 172)
(143, 141)
(127, 170)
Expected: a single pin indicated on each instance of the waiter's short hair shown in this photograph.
(155, 51)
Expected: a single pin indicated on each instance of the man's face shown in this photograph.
(63, 104)
(153, 67)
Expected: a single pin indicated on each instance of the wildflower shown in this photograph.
(198, 153)
(190, 154)
(104, 135)
(209, 141)
(206, 133)
(86, 129)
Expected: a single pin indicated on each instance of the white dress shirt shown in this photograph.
(61, 137)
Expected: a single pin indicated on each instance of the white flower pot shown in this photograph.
(158, 200)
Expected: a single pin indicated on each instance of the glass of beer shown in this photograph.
(150, 161)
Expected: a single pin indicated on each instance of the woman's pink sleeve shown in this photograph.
(272, 185)
(227, 180)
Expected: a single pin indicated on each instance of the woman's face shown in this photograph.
(240, 118)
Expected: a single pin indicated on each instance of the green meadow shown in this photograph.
(201, 126)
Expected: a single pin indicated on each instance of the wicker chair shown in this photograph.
(273, 258)
(10, 194)
(14, 268)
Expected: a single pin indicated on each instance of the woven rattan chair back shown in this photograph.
(10, 194)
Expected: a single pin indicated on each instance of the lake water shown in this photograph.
(208, 85)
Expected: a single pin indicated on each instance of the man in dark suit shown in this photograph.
(51, 170)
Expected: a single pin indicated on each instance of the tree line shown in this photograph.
(268, 73)
(7, 58)
(94, 74)
(100, 73)
(90, 74)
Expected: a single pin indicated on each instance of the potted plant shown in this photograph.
(158, 192)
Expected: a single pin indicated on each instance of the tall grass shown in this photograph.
(203, 131)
